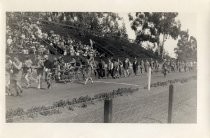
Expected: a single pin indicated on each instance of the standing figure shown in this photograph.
(156, 65)
(120, 67)
(151, 64)
(100, 69)
(8, 72)
(47, 70)
(115, 69)
(105, 68)
(126, 67)
(146, 65)
(164, 68)
(28, 65)
(95, 68)
(141, 66)
(88, 70)
(110, 67)
(135, 66)
(185, 66)
(77, 68)
(40, 68)
(17, 75)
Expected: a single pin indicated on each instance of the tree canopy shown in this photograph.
(99, 23)
(186, 47)
(155, 27)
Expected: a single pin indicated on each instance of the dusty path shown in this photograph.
(142, 106)
(33, 97)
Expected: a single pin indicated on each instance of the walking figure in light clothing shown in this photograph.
(88, 69)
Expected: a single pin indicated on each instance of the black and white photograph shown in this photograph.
(101, 67)
(104, 69)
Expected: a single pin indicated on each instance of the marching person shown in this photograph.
(151, 64)
(88, 70)
(47, 70)
(8, 72)
(95, 63)
(78, 66)
(110, 67)
(156, 65)
(185, 66)
(146, 65)
(101, 69)
(16, 75)
(40, 69)
(141, 66)
(115, 69)
(135, 66)
(126, 67)
(83, 66)
(56, 66)
(120, 67)
(164, 68)
(28, 71)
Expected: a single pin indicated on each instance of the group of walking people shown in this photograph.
(87, 67)
(18, 72)
(123, 68)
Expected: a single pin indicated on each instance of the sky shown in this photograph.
(188, 21)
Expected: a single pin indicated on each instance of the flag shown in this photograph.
(91, 42)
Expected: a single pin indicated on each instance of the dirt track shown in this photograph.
(143, 106)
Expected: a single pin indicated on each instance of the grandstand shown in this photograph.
(109, 46)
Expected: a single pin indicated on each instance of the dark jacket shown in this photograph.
(135, 65)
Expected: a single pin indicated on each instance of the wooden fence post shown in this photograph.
(170, 103)
(107, 110)
(149, 78)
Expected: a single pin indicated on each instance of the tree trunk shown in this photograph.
(162, 45)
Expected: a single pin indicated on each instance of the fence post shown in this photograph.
(107, 110)
(149, 78)
(170, 103)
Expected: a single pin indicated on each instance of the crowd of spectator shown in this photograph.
(25, 36)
